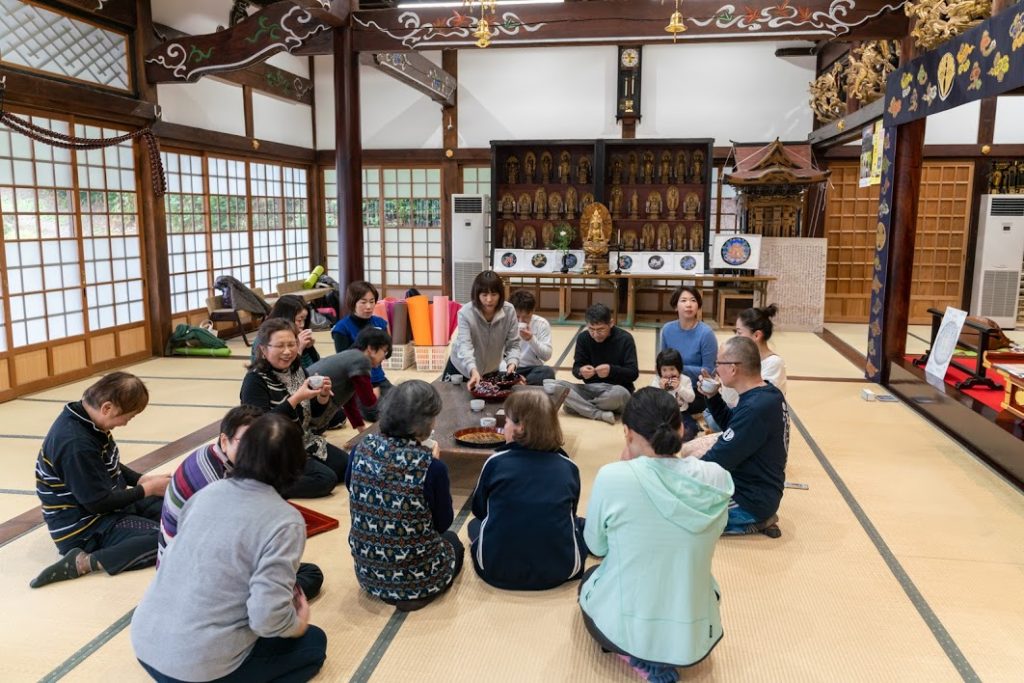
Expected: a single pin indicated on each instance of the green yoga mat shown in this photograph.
(197, 351)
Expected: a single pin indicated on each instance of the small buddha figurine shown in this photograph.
(617, 200)
(665, 172)
(530, 167)
(545, 168)
(583, 170)
(672, 202)
(664, 242)
(648, 168)
(634, 206)
(691, 206)
(540, 202)
(629, 242)
(508, 206)
(547, 234)
(529, 237)
(682, 165)
(554, 206)
(698, 166)
(586, 201)
(679, 238)
(525, 206)
(696, 238)
(570, 203)
(508, 235)
(512, 170)
(564, 168)
(653, 204)
(634, 167)
(647, 237)
(616, 170)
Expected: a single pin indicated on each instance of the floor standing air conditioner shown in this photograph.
(998, 259)
(471, 216)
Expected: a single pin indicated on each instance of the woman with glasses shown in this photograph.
(294, 308)
(277, 382)
(691, 337)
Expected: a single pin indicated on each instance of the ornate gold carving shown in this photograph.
(870, 66)
(596, 228)
(936, 21)
(825, 98)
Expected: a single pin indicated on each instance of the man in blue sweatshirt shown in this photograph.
(606, 362)
(755, 437)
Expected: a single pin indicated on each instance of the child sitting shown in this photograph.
(670, 377)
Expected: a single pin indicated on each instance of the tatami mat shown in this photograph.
(820, 603)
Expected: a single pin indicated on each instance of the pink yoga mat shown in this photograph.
(439, 320)
(419, 319)
(381, 310)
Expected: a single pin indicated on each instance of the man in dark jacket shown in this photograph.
(606, 362)
(755, 437)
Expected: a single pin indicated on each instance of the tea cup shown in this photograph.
(708, 385)
(455, 379)
(488, 422)
(476, 405)
(316, 382)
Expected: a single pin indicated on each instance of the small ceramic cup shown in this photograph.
(708, 385)
(488, 422)
(455, 379)
(316, 381)
(476, 405)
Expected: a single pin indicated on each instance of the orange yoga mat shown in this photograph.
(381, 309)
(439, 320)
(419, 319)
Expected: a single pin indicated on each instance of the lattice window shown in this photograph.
(373, 240)
(44, 40)
(267, 226)
(229, 219)
(188, 253)
(412, 226)
(296, 223)
(37, 207)
(331, 219)
(111, 244)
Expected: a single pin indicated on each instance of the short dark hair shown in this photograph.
(760, 319)
(271, 451)
(537, 418)
(745, 353)
(356, 290)
(523, 300)
(289, 306)
(238, 417)
(674, 301)
(654, 415)
(488, 282)
(408, 410)
(124, 390)
(598, 313)
(267, 330)
(371, 337)
(668, 358)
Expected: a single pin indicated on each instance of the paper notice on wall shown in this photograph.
(871, 154)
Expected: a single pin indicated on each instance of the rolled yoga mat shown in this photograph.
(419, 319)
(200, 351)
(439, 321)
(310, 282)
(453, 317)
(380, 309)
(400, 324)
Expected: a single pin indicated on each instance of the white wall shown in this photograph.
(536, 93)
(208, 103)
(725, 91)
(1009, 128)
(194, 17)
(323, 97)
(957, 126)
(282, 121)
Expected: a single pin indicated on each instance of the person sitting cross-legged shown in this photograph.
(526, 535)
(401, 504)
(755, 439)
(210, 463)
(100, 513)
(535, 339)
(225, 604)
(606, 362)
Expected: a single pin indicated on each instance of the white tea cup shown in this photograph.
(708, 385)
(488, 422)
(316, 382)
(476, 405)
(455, 379)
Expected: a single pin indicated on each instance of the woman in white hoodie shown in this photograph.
(488, 332)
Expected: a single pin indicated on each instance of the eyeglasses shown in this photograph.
(281, 347)
(727, 362)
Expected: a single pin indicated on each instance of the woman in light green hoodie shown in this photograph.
(655, 518)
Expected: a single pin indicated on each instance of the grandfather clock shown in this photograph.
(627, 108)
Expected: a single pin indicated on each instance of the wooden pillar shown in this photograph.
(152, 217)
(349, 157)
(450, 175)
(906, 187)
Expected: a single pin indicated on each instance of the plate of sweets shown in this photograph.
(496, 386)
(479, 437)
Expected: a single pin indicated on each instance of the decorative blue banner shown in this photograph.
(883, 229)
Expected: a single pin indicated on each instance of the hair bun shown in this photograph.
(770, 310)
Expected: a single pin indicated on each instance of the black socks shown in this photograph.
(61, 570)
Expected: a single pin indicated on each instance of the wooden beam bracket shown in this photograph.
(416, 71)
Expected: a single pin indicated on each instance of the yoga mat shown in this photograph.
(389, 306)
(380, 310)
(310, 282)
(400, 324)
(439, 320)
(199, 351)
(419, 319)
(453, 317)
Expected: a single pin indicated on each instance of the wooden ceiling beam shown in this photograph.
(416, 71)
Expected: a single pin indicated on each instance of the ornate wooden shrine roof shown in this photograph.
(774, 164)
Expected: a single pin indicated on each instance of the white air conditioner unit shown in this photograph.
(998, 258)
(471, 217)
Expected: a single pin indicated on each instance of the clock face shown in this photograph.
(630, 57)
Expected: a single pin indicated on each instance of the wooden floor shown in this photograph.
(904, 560)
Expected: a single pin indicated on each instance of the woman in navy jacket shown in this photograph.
(526, 535)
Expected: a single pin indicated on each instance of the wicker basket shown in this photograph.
(431, 358)
(402, 357)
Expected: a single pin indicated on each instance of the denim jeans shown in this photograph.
(739, 520)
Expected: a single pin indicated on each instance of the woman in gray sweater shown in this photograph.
(488, 332)
(224, 605)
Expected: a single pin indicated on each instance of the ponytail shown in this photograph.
(654, 415)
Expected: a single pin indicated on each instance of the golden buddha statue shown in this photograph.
(596, 228)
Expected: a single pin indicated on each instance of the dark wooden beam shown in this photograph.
(937, 152)
(604, 21)
(848, 127)
(262, 76)
(450, 174)
(349, 160)
(117, 11)
(892, 25)
(282, 26)
(201, 139)
(416, 71)
(784, 52)
(987, 120)
(34, 90)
